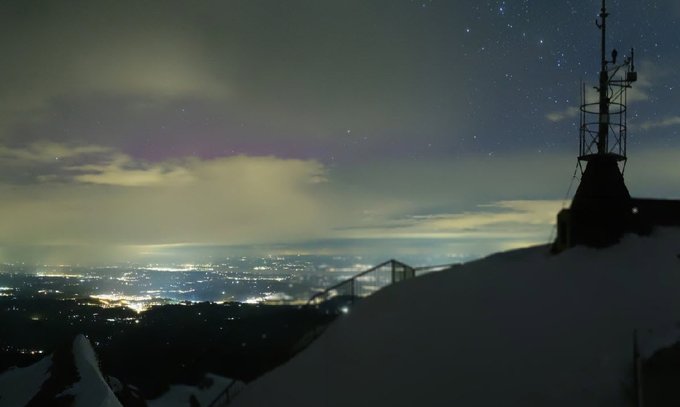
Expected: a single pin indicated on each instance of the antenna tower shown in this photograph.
(603, 125)
(602, 210)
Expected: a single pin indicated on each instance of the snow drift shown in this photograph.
(521, 328)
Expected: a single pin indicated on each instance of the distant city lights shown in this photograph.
(254, 280)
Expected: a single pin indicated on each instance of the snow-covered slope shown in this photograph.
(180, 395)
(70, 376)
(91, 390)
(521, 328)
(19, 386)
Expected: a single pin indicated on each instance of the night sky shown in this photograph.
(177, 130)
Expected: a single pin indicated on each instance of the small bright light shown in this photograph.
(344, 310)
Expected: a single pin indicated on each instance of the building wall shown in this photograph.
(601, 229)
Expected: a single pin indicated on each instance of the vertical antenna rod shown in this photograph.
(603, 130)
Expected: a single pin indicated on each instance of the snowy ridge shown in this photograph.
(204, 394)
(70, 376)
(521, 328)
(19, 386)
(92, 389)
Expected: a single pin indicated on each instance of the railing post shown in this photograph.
(376, 274)
(351, 289)
(637, 372)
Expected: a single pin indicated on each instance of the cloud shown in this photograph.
(168, 66)
(230, 200)
(122, 170)
(666, 122)
(649, 73)
(519, 219)
(639, 92)
(560, 115)
(108, 203)
(653, 172)
(79, 51)
(43, 161)
(48, 151)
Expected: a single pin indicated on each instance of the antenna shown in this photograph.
(602, 209)
(604, 123)
(603, 131)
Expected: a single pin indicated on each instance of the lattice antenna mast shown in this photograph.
(603, 130)
(608, 115)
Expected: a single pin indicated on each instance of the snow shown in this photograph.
(652, 339)
(521, 328)
(91, 390)
(18, 386)
(178, 395)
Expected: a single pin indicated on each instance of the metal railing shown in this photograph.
(360, 286)
(422, 270)
(369, 281)
(227, 395)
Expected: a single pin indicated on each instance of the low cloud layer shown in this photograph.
(111, 203)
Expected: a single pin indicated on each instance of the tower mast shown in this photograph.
(601, 209)
(603, 122)
(603, 130)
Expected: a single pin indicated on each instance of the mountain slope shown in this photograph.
(209, 390)
(68, 377)
(518, 328)
(19, 386)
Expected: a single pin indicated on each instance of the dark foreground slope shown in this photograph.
(166, 345)
(521, 328)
